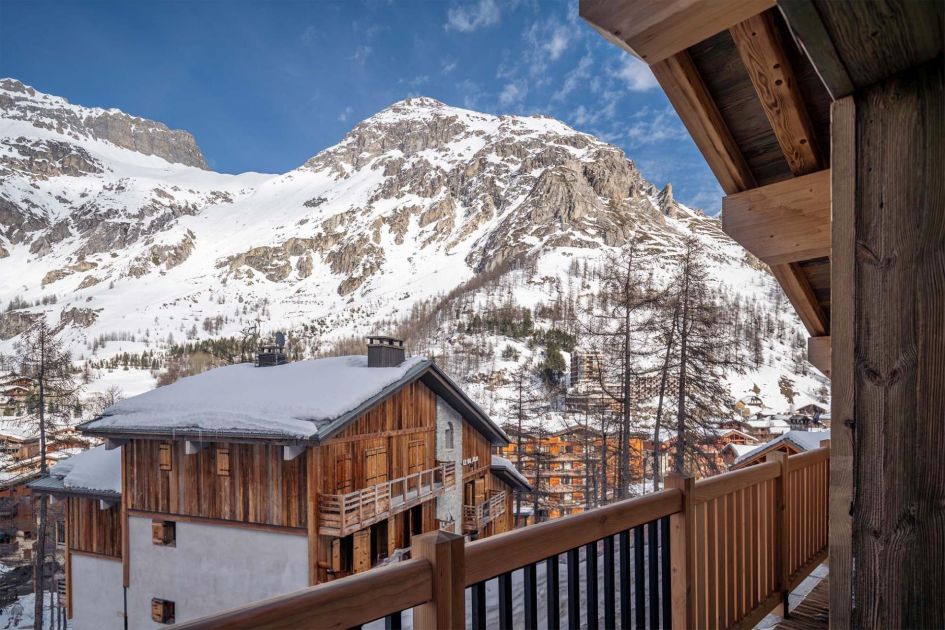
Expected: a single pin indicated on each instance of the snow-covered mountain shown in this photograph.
(115, 228)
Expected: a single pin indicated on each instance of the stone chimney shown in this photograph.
(385, 351)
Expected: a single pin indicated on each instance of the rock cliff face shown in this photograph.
(118, 218)
(21, 102)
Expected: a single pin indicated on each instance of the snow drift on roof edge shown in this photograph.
(96, 469)
(296, 399)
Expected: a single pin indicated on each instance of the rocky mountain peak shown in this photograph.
(53, 113)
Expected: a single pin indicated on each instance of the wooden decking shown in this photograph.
(812, 613)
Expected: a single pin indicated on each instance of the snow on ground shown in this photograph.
(19, 614)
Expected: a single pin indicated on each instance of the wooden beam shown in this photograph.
(807, 27)
(818, 353)
(785, 222)
(654, 30)
(769, 69)
(313, 483)
(445, 553)
(799, 292)
(685, 89)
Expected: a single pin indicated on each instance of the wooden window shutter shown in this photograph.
(343, 472)
(165, 456)
(375, 465)
(223, 461)
(162, 610)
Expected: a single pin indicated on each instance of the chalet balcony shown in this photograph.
(475, 517)
(343, 514)
(721, 552)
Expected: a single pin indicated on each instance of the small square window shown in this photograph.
(164, 533)
(162, 610)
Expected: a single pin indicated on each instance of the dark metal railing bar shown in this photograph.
(590, 559)
(392, 621)
(505, 601)
(610, 612)
(478, 606)
(639, 578)
(552, 601)
(531, 596)
(574, 589)
(653, 585)
(625, 607)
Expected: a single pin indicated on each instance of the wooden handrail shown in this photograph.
(352, 601)
(726, 483)
(499, 554)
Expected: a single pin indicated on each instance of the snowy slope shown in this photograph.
(113, 227)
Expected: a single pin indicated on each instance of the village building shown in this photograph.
(246, 482)
(792, 443)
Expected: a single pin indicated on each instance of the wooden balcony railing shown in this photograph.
(475, 517)
(342, 514)
(718, 553)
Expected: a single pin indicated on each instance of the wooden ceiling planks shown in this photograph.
(683, 84)
(875, 40)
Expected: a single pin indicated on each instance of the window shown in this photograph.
(60, 532)
(165, 456)
(449, 435)
(223, 461)
(164, 533)
(162, 610)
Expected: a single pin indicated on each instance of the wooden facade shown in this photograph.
(90, 529)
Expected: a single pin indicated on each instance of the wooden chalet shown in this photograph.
(824, 122)
(313, 470)
(791, 443)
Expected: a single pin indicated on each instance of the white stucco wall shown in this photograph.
(97, 594)
(211, 568)
(450, 504)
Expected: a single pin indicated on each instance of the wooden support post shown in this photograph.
(782, 540)
(682, 552)
(445, 551)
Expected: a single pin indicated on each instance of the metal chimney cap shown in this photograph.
(383, 340)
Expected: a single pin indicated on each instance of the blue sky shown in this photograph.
(263, 86)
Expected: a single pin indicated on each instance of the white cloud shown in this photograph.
(650, 127)
(577, 75)
(469, 17)
(636, 74)
(345, 113)
(448, 66)
(513, 94)
(361, 53)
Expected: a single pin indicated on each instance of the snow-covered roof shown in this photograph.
(298, 401)
(802, 440)
(740, 449)
(95, 472)
(509, 473)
